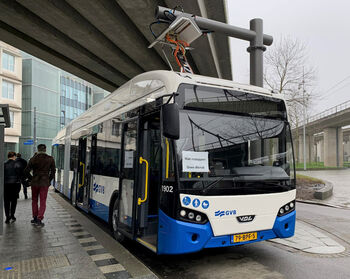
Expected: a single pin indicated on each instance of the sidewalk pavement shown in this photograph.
(308, 239)
(341, 186)
(63, 248)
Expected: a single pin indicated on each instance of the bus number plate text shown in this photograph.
(243, 237)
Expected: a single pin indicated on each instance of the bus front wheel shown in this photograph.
(117, 235)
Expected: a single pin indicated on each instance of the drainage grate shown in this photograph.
(35, 264)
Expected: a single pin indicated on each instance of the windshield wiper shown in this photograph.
(211, 185)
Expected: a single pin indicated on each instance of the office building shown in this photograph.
(58, 97)
(11, 93)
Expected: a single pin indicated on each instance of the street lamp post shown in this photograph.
(304, 119)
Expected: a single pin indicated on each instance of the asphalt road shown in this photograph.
(264, 259)
(268, 260)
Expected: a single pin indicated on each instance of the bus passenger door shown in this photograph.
(149, 181)
(127, 183)
(83, 174)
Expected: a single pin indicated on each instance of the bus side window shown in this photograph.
(106, 150)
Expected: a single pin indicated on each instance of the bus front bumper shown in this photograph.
(177, 237)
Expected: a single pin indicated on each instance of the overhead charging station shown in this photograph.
(185, 28)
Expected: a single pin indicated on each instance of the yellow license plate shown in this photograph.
(243, 237)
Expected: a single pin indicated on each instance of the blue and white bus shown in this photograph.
(182, 162)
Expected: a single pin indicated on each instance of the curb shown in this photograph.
(318, 203)
(325, 192)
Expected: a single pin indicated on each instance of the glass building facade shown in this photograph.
(58, 97)
(76, 97)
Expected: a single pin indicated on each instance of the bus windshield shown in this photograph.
(243, 153)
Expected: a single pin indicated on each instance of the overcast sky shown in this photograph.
(323, 25)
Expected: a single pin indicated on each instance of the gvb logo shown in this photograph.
(221, 213)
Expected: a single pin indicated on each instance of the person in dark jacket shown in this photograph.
(12, 186)
(23, 180)
(43, 167)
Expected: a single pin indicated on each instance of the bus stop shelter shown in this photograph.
(4, 123)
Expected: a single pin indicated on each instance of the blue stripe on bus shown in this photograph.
(99, 209)
(177, 237)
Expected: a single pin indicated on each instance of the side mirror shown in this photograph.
(171, 121)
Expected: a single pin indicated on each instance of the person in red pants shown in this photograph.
(43, 167)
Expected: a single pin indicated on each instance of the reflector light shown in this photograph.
(198, 218)
(191, 215)
(183, 213)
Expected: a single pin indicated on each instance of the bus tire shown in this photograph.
(117, 235)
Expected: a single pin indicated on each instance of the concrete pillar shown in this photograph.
(333, 147)
(340, 147)
(322, 150)
(347, 151)
(312, 149)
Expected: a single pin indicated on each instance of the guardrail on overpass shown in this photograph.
(328, 112)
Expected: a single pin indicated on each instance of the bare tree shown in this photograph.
(288, 72)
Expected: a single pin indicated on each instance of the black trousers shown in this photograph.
(10, 199)
(10, 207)
(24, 184)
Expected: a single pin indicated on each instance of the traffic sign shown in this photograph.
(28, 143)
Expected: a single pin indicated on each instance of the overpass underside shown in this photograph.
(105, 41)
(326, 140)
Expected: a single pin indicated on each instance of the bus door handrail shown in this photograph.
(167, 159)
(139, 201)
(83, 178)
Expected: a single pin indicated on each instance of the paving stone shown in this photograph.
(325, 250)
(94, 247)
(106, 262)
(89, 239)
(101, 257)
(27, 242)
(97, 251)
(310, 240)
(111, 268)
(117, 275)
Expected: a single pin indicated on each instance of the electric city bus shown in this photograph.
(181, 162)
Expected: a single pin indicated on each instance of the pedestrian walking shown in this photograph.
(24, 182)
(43, 167)
(12, 186)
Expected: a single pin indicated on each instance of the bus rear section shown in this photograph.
(229, 178)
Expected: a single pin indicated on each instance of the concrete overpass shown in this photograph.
(105, 41)
(325, 137)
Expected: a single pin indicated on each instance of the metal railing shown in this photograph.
(327, 112)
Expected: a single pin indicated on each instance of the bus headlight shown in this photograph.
(192, 216)
(183, 213)
(287, 208)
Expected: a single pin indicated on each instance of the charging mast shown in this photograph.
(186, 26)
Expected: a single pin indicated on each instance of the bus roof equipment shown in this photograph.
(184, 28)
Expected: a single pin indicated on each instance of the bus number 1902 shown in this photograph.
(167, 189)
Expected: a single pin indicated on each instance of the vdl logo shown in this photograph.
(221, 213)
